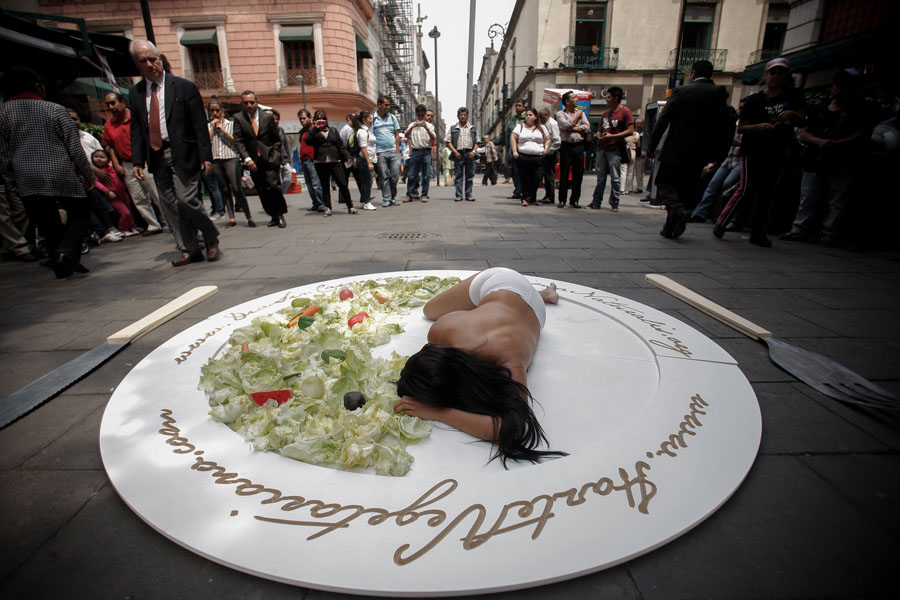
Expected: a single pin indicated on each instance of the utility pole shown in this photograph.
(419, 57)
(469, 99)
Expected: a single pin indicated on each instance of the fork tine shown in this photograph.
(840, 391)
(878, 390)
(859, 391)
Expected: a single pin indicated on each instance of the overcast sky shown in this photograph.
(452, 19)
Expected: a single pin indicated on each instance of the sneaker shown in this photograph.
(130, 233)
(385, 203)
(327, 212)
(369, 206)
(524, 203)
(407, 199)
(395, 202)
(424, 198)
(457, 199)
(352, 211)
(614, 208)
(111, 237)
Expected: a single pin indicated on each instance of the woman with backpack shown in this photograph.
(330, 156)
(529, 143)
(362, 151)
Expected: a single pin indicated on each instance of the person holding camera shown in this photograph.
(331, 157)
(766, 124)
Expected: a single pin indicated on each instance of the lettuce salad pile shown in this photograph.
(315, 363)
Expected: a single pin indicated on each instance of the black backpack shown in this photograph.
(353, 144)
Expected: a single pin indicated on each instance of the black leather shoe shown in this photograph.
(72, 264)
(186, 259)
(679, 223)
(281, 222)
(273, 222)
(718, 231)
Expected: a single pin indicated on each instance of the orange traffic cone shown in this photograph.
(295, 187)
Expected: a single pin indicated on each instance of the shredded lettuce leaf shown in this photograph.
(313, 426)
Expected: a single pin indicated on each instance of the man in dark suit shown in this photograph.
(693, 117)
(259, 144)
(170, 138)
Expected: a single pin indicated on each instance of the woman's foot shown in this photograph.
(549, 294)
(251, 223)
(230, 223)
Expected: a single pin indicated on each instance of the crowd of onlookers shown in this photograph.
(70, 190)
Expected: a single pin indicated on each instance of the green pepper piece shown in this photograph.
(300, 302)
(337, 354)
(304, 322)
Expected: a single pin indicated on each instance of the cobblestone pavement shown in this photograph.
(816, 517)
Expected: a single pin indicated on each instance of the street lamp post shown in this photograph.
(577, 75)
(435, 34)
(302, 81)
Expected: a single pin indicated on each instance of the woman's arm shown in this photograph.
(480, 426)
(514, 144)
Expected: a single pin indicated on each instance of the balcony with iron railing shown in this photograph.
(758, 56)
(590, 57)
(287, 76)
(209, 79)
(689, 56)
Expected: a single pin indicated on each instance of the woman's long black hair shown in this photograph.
(450, 377)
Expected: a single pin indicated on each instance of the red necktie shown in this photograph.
(155, 128)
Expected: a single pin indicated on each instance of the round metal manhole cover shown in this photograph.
(406, 235)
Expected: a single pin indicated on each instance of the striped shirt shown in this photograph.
(221, 148)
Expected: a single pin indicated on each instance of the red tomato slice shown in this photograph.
(357, 318)
(280, 396)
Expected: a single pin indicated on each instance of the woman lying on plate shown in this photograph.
(471, 374)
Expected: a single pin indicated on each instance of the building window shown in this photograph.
(362, 53)
(590, 24)
(697, 29)
(299, 54)
(205, 63)
(776, 28)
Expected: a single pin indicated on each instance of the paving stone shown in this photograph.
(855, 323)
(30, 366)
(137, 562)
(609, 266)
(472, 264)
(35, 506)
(883, 426)
(475, 253)
(493, 244)
(531, 265)
(873, 358)
(753, 359)
(600, 281)
(39, 429)
(852, 298)
(866, 481)
(795, 424)
(751, 298)
(786, 533)
(76, 449)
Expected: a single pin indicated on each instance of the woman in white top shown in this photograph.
(529, 141)
(365, 160)
(226, 163)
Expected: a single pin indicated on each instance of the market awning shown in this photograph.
(296, 34)
(199, 37)
(362, 50)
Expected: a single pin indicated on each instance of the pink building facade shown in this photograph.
(228, 46)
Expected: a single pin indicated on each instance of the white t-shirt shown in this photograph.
(366, 141)
(531, 141)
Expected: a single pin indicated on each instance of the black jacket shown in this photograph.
(185, 122)
(264, 148)
(694, 116)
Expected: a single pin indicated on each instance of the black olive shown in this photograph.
(353, 400)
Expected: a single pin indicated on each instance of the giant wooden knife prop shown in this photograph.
(41, 390)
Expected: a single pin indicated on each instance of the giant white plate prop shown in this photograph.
(660, 425)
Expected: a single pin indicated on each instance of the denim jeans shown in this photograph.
(464, 173)
(609, 162)
(418, 168)
(312, 183)
(831, 187)
(725, 177)
(365, 180)
(388, 167)
(215, 196)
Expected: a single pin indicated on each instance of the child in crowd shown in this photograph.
(116, 192)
